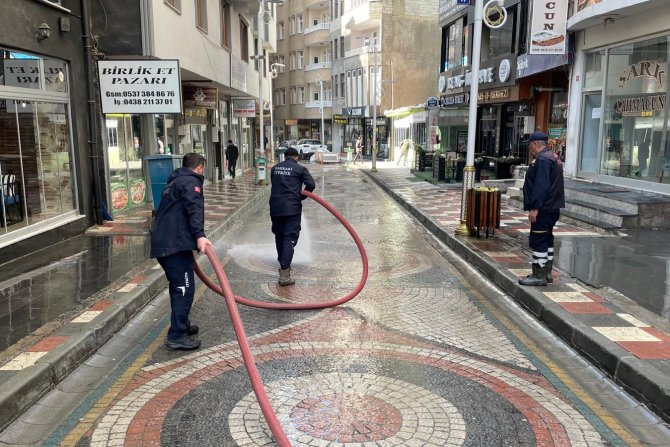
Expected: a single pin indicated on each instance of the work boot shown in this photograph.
(184, 343)
(192, 329)
(285, 277)
(538, 277)
(548, 269)
(549, 266)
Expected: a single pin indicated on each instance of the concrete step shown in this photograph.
(610, 201)
(600, 213)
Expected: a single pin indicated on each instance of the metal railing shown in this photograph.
(317, 66)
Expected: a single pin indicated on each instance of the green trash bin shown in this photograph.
(261, 170)
(160, 168)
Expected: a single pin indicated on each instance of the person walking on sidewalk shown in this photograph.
(405, 145)
(359, 149)
(286, 199)
(543, 197)
(232, 152)
(178, 230)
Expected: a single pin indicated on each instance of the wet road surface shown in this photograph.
(428, 354)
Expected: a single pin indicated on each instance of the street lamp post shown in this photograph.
(273, 75)
(319, 82)
(374, 107)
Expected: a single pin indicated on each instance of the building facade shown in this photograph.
(619, 94)
(45, 164)
(521, 89)
(367, 60)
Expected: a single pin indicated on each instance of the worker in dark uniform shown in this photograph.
(232, 152)
(543, 197)
(178, 230)
(286, 199)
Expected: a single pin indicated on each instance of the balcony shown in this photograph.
(317, 35)
(318, 66)
(317, 104)
(361, 50)
(362, 16)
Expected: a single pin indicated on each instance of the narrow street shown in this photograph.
(429, 354)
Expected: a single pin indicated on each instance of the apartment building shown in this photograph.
(353, 59)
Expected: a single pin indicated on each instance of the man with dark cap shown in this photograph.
(543, 197)
(178, 230)
(286, 198)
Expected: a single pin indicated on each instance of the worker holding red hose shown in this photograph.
(178, 230)
(286, 199)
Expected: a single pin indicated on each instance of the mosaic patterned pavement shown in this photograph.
(416, 360)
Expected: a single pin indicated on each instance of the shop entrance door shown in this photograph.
(591, 133)
(487, 137)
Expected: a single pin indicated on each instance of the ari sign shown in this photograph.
(548, 33)
(140, 86)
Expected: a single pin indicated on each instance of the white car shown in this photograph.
(307, 147)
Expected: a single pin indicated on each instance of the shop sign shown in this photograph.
(549, 27)
(639, 106)
(140, 86)
(432, 103)
(353, 112)
(244, 108)
(647, 69)
(293, 122)
(498, 72)
(495, 14)
(493, 95)
(340, 119)
(581, 4)
(381, 121)
(206, 97)
(455, 100)
(448, 8)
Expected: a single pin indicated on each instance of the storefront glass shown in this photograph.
(36, 156)
(636, 113)
(125, 152)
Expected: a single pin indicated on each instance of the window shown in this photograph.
(496, 42)
(342, 91)
(293, 96)
(342, 46)
(292, 25)
(280, 30)
(301, 59)
(299, 23)
(292, 63)
(301, 94)
(225, 23)
(176, 4)
(281, 97)
(201, 14)
(336, 8)
(456, 44)
(334, 82)
(244, 40)
(315, 95)
(281, 59)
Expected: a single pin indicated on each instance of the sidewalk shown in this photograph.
(628, 342)
(57, 309)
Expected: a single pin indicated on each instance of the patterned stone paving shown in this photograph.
(413, 361)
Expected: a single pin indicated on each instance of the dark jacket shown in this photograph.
(180, 219)
(287, 179)
(232, 152)
(543, 188)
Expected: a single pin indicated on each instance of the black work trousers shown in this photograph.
(179, 272)
(541, 238)
(286, 230)
(231, 166)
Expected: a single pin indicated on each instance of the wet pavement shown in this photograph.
(430, 353)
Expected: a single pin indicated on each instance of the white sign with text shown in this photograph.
(140, 86)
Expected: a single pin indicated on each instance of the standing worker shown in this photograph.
(232, 152)
(178, 230)
(543, 197)
(286, 199)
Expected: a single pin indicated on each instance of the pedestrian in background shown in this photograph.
(543, 197)
(405, 146)
(178, 230)
(232, 152)
(286, 199)
(359, 149)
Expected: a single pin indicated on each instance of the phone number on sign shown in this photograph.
(144, 94)
(145, 102)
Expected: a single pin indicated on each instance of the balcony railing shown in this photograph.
(360, 50)
(317, 27)
(317, 104)
(318, 66)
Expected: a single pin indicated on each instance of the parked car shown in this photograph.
(307, 147)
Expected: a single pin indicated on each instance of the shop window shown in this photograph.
(593, 73)
(634, 114)
(500, 41)
(125, 150)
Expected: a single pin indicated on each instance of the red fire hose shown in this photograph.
(226, 291)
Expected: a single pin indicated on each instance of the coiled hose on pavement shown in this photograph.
(231, 299)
